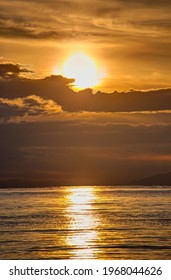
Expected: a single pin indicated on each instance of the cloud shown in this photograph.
(28, 106)
(121, 101)
(82, 20)
(75, 152)
(10, 71)
(146, 2)
(58, 89)
(51, 132)
(127, 37)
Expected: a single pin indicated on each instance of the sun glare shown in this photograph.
(82, 223)
(83, 69)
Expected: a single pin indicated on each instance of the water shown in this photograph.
(85, 223)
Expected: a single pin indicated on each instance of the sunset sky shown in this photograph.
(129, 40)
(58, 130)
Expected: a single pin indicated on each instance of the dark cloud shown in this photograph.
(11, 71)
(59, 4)
(7, 111)
(121, 101)
(82, 153)
(49, 131)
(40, 140)
(27, 106)
(35, 33)
(146, 3)
(57, 88)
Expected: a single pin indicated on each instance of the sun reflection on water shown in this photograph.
(83, 223)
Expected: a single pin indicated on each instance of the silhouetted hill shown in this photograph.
(159, 179)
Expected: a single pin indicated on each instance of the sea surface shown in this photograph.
(89, 222)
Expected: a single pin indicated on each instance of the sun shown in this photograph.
(83, 69)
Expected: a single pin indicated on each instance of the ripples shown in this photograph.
(86, 222)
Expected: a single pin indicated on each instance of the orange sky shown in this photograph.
(129, 40)
(51, 133)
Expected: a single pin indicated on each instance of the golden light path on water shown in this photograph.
(97, 222)
(82, 224)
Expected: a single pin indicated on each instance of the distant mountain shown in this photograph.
(159, 179)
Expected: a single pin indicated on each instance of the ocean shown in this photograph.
(86, 222)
